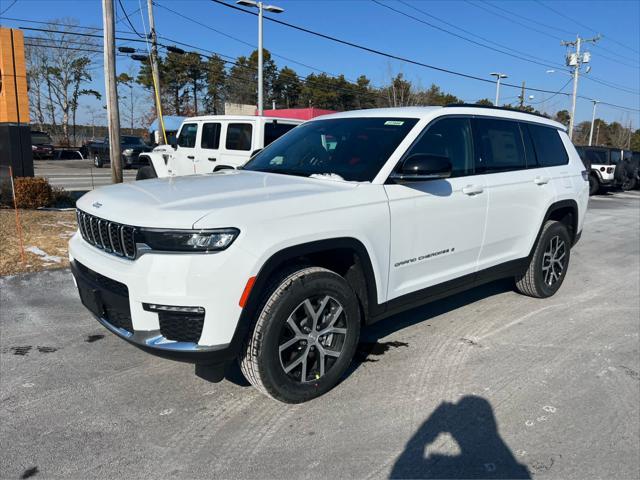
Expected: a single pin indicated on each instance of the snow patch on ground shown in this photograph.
(43, 255)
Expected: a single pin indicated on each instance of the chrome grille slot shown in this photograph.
(111, 237)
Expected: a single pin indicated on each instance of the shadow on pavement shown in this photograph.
(483, 454)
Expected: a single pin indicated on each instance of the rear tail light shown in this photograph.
(610, 170)
(602, 169)
(585, 175)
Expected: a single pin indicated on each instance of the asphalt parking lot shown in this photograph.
(485, 384)
(77, 175)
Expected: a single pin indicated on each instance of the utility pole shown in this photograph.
(575, 60)
(593, 119)
(155, 71)
(521, 97)
(111, 90)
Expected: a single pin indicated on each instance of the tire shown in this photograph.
(629, 183)
(288, 308)
(549, 263)
(146, 172)
(594, 185)
(97, 162)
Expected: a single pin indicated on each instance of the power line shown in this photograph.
(558, 12)
(560, 91)
(462, 37)
(126, 16)
(7, 9)
(464, 75)
(375, 51)
(244, 42)
(558, 29)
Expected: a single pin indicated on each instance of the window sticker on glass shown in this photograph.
(394, 122)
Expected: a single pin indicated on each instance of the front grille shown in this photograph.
(181, 327)
(109, 236)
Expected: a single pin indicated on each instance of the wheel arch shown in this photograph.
(564, 211)
(346, 256)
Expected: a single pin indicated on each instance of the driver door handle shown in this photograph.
(211, 159)
(472, 189)
(191, 157)
(541, 180)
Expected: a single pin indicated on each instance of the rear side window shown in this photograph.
(550, 150)
(451, 138)
(500, 146)
(210, 136)
(273, 131)
(187, 136)
(239, 136)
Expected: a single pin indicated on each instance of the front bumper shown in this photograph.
(110, 306)
(120, 288)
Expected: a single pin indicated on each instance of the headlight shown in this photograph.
(187, 240)
(127, 152)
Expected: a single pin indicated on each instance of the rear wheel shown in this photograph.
(549, 263)
(594, 185)
(305, 337)
(97, 161)
(629, 183)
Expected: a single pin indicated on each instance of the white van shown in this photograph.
(213, 142)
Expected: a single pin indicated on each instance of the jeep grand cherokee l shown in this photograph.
(345, 220)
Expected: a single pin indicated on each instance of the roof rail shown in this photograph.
(491, 107)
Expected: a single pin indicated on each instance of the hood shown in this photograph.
(179, 202)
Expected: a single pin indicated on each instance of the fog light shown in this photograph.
(154, 307)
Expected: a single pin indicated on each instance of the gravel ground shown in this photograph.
(486, 384)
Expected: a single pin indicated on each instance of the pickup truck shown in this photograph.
(131, 147)
(214, 142)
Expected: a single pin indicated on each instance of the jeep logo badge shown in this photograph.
(97, 204)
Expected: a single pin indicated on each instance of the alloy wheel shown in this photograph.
(312, 338)
(554, 260)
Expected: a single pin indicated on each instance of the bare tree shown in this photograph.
(58, 67)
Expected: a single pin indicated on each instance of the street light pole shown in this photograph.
(593, 119)
(261, 7)
(498, 76)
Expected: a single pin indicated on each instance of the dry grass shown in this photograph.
(45, 233)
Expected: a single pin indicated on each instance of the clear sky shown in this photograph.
(524, 28)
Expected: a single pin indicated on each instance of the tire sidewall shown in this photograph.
(274, 378)
(555, 229)
(96, 161)
(594, 185)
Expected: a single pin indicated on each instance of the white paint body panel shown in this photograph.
(394, 222)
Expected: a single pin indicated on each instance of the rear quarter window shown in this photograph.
(550, 150)
(239, 136)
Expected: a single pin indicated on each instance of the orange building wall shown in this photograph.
(13, 108)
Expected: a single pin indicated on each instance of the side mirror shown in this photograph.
(255, 152)
(420, 167)
(174, 145)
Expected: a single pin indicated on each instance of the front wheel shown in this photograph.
(305, 336)
(549, 263)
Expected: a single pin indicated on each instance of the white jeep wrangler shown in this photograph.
(214, 142)
(342, 222)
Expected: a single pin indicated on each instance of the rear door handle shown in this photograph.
(472, 189)
(541, 180)
(211, 159)
(191, 157)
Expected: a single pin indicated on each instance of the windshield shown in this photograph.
(353, 148)
(131, 141)
(39, 138)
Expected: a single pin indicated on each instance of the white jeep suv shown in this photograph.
(345, 220)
